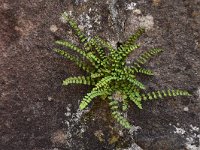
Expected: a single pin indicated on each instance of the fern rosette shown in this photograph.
(108, 73)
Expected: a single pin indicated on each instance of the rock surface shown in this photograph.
(38, 113)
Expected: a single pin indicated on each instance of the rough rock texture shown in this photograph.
(37, 113)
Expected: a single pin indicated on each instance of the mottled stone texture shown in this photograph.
(37, 113)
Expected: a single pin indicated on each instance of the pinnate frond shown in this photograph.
(125, 50)
(90, 56)
(164, 93)
(134, 37)
(114, 106)
(79, 80)
(83, 38)
(104, 81)
(125, 105)
(78, 62)
(71, 46)
(146, 56)
(103, 43)
(90, 96)
(134, 69)
(136, 98)
(136, 82)
(119, 118)
(96, 75)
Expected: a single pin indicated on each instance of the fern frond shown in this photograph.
(90, 96)
(114, 105)
(71, 46)
(92, 58)
(164, 93)
(104, 81)
(96, 75)
(134, 69)
(127, 87)
(92, 43)
(103, 43)
(78, 62)
(124, 105)
(79, 80)
(94, 46)
(125, 50)
(118, 56)
(146, 56)
(136, 82)
(134, 37)
(83, 38)
(100, 52)
(145, 71)
(119, 118)
(136, 98)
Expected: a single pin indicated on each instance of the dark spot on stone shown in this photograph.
(119, 44)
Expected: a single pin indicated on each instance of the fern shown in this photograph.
(83, 38)
(79, 80)
(72, 46)
(78, 62)
(90, 96)
(164, 93)
(114, 106)
(109, 75)
(146, 56)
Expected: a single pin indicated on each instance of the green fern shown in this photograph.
(90, 96)
(146, 56)
(108, 73)
(79, 80)
(78, 62)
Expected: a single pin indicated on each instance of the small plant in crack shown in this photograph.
(108, 74)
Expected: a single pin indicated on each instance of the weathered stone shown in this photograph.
(37, 112)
